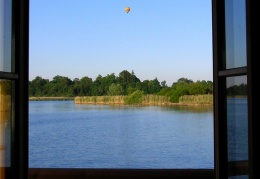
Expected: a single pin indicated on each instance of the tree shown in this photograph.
(85, 86)
(144, 86)
(154, 86)
(76, 87)
(163, 84)
(127, 79)
(60, 86)
(124, 84)
(115, 89)
(37, 87)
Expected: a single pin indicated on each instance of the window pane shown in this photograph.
(237, 122)
(5, 125)
(5, 35)
(235, 33)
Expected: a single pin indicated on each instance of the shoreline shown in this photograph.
(119, 101)
(51, 98)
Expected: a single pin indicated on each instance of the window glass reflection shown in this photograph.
(5, 125)
(235, 33)
(5, 35)
(237, 120)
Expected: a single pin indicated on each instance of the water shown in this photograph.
(237, 123)
(66, 135)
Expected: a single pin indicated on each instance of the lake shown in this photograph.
(67, 135)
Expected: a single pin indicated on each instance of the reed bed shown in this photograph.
(196, 99)
(121, 100)
(146, 100)
(50, 98)
(155, 100)
(100, 100)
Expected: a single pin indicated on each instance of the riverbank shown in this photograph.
(146, 100)
(50, 98)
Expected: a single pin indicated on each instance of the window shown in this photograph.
(6, 88)
(152, 47)
(19, 78)
(233, 71)
(14, 88)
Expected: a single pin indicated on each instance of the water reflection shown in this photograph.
(193, 108)
(107, 136)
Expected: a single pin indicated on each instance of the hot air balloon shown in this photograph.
(127, 9)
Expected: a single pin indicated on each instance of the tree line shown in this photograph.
(125, 83)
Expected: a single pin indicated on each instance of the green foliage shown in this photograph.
(115, 90)
(164, 91)
(163, 84)
(124, 84)
(185, 86)
(176, 94)
(130, 90)
(144, 86)
(37, 87)
(84, 86)
(154, 86)
(135, 98)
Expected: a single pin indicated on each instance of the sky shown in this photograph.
(163, 39)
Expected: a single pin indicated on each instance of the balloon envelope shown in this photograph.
(127, 9)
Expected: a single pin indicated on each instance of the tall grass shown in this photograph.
(196, 99)
(155, 100)
(50, 98)
(100, 100)
(144, 100)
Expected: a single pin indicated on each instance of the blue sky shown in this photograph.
(163, 39)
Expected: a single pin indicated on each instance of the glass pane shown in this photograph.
(5, 126)
(235, 33)
(5, 35)
(237, 120)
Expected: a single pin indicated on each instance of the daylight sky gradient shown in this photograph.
(163, 39)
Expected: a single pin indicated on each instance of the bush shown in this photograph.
(135, 98)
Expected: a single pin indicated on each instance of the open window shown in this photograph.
(14, 96)
(14, 33)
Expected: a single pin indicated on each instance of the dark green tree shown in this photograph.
(85, 85)
(37, 87)
(127, 79)
(60, 86)
(154, 86)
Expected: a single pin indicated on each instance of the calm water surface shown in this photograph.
(67, 135)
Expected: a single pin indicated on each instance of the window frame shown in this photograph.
(223, 168)
(19, 76)
(20, 55)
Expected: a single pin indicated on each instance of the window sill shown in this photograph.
(69, 173)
